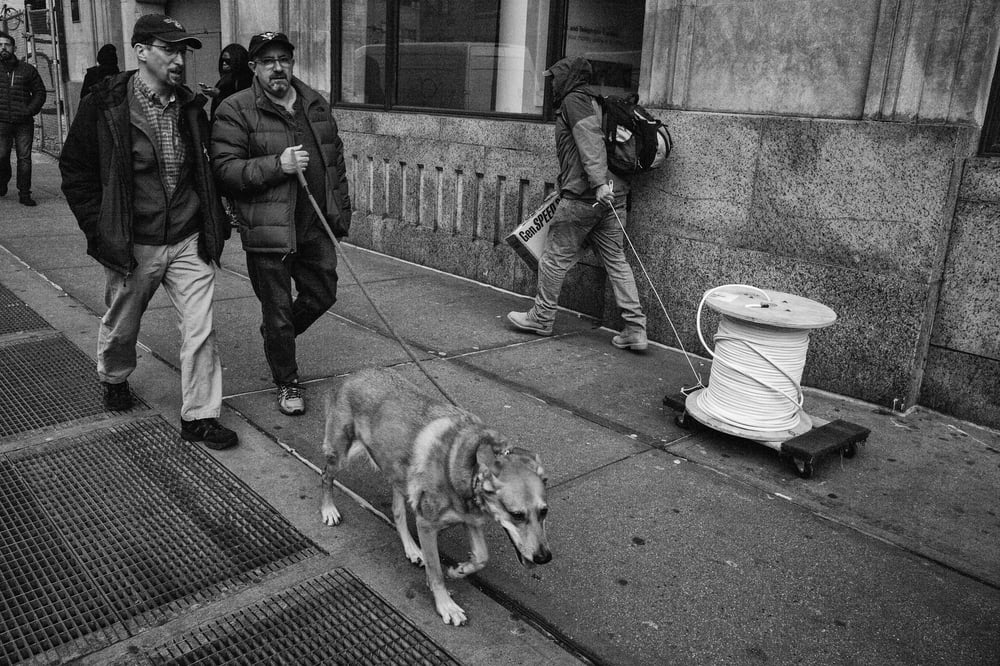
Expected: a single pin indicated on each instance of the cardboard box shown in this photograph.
(528, 239)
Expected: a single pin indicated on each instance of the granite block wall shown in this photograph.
(855, 215)
(963, 367)
(444, 192)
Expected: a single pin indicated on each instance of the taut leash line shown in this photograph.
(658, 299)
(350, 268)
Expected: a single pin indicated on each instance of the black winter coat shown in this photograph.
(22, 93)
(96, 166)
(249, 134)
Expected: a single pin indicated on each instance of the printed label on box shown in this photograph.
(528, 239)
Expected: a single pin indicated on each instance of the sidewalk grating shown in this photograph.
(15, 316)
(331, 619)
(46, 381)
(121, 529)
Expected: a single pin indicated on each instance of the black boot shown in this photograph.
(210, 432)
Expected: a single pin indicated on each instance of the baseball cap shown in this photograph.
(158, 26)
(257, 42)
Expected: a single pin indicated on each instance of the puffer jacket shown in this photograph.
(249, 134)
(97, 179)
(22, 92)
(583, 158)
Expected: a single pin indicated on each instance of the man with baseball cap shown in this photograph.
(136, 176)
(151, 27)
(261, 138)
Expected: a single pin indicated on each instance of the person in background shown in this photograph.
(234, 75)
(22, 94)
(261, 137)
(135, 173)
(585, 211)
(106, 67)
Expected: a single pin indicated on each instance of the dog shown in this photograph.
(444, 463)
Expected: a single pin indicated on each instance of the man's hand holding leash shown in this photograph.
(293, 159)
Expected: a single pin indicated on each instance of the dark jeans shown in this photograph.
(313, 269)
(20, 136)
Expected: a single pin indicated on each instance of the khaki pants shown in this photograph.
(574, 222)
(190, 284)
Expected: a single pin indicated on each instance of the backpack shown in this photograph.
(636, 141)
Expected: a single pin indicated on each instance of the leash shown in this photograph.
(357, 279)
(687, 357)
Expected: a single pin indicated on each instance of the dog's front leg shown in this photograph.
(410, 546)
(478, 557)
(449, 611)
(331, 515)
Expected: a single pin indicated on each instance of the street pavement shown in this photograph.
(670, 545)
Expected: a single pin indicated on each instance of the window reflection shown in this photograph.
(480, 55)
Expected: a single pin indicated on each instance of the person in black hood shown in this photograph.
(107, 66)
(234, 75)
(587, 210)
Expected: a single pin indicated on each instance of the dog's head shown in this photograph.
(511, 487)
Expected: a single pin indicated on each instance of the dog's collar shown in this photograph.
(477, 488)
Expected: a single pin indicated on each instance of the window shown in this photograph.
(74, 10)
(480, 56)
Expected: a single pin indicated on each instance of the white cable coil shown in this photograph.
(755, 383)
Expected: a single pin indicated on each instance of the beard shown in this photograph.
(5, 56)
(279, 85)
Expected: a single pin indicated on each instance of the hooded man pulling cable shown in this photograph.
(585, 211)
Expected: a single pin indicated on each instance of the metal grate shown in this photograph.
(33, 557)
(331, 619)
(45, 381)
(15, 316)
(125, 527)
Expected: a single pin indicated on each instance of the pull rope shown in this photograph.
(659, 300)
(361, 285)
(755, 383)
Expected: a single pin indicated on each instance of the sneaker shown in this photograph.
(526, 321)
(210, 432)
(117, 397)
(631, 338)
(26, 200)
(290, 401)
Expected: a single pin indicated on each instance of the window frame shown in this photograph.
(558, 11)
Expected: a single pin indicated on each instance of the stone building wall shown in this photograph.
(820, 151)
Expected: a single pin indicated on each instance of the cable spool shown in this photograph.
(754, 389)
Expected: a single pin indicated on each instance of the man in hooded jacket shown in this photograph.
(585, 213)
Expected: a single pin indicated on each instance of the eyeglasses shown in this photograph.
(284, 61)
(172, 51)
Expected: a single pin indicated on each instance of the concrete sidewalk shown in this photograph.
(670, 546)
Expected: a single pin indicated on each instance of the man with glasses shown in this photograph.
(261, 138)
(22, 94)
(136, 176)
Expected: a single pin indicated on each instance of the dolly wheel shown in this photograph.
(851, 450)
(684, 420)
(803, 467)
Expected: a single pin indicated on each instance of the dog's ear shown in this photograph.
(472, 450)
(540, 471)
(487, 448)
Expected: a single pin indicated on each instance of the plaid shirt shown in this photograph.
(165, 123)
